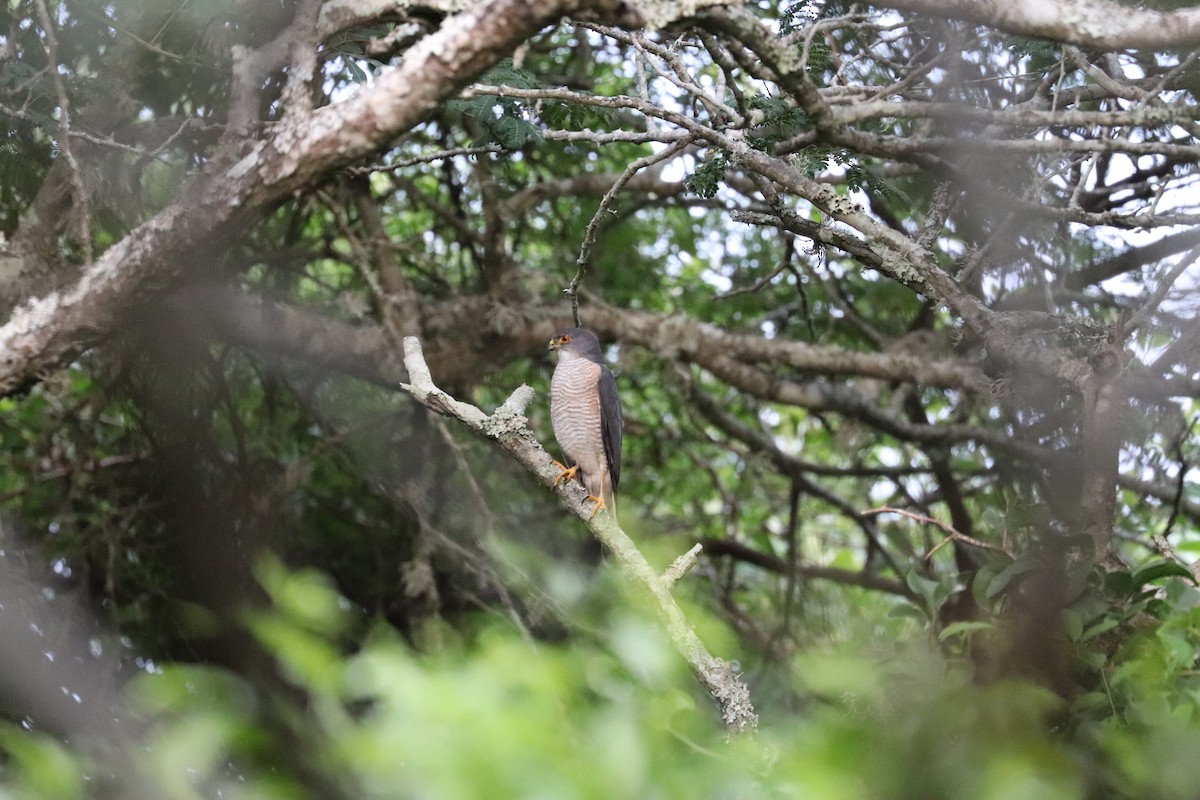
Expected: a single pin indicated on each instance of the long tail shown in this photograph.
(606, 487)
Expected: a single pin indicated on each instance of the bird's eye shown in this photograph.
(565, 338)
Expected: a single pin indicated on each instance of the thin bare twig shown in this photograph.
(785, 263)
(593, 228)
(84, 217)
(1161, 539)
(426, 158)
(1142, 315)
(953, 535)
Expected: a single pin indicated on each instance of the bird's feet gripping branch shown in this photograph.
(570, 472)
(585, 411)
(567, 472)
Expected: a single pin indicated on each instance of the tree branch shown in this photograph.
(509, 428)
(1089, 23)
(589, 237)
(864, 580)
(48, 331)
(1131, 259)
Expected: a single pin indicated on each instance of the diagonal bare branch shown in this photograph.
(509, 429)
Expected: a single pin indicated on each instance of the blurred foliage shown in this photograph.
(613, 715)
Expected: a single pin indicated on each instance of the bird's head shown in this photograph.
(576, 341)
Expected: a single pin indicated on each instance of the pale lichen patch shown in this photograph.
(247, 163)
(658, 14)
(842, 206)
(34, 314)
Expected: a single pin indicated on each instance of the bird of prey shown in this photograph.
(586, 413)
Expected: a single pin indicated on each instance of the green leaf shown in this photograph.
(307, 597)
(356, 72)
(1119, 583)
(907, 610)
(1072, 624)
(1091, 700)
(513, 132)
(1078, 574)
(1008, 574)
(983, 578)
(708, 175)
(1161, 569)
(1097, 628)
(965, 629)
(506, 73)
(45, 768)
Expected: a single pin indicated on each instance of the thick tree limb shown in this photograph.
(361, 350)
(1131, 259)
(1090, 23)
(46, 332)
(702, 343)
(265, 326)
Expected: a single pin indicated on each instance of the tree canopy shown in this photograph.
(901, 299)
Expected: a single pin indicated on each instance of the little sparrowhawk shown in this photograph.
(586, 413)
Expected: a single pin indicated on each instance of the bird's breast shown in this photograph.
(575, 406)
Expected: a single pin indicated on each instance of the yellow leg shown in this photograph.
(567, 474)
(600, 505)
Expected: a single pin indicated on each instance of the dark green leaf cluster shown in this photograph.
(500, 120)
(1040, 52)
(573, 116)
(706, 179)
(799, 14)
(776, 120)
(497, 120)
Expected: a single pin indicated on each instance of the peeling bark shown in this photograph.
(1089, 23)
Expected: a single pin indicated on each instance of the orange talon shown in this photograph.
(600, 505)
(566, 474)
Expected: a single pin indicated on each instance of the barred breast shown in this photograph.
(575, 415)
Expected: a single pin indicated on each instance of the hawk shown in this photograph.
(585, 411)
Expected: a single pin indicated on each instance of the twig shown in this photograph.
(150, 46)
(593, 228)
(1142, 315)
(681, 566)
(953, 535)
(740, 551)
(17, 113)
(1161, 539)
(585, 135)
(509, 428)
(785, 263)
(436, 155)
(64, 134)
(609, 137)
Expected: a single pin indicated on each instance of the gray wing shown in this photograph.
(612, 423)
